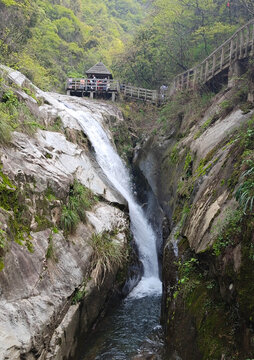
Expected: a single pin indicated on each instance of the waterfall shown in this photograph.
(118, 175)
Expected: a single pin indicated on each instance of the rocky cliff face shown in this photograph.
(54, 200)
(200, 167)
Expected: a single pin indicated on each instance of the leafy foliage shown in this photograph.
(80, 200)
(14, 114)
(227, 231)
(50, 40)
(79, 294)
(176, 35)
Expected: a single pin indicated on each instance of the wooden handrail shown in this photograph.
(238, 46)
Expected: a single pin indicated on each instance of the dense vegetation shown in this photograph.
(48, 40)
(145, 42)
(178, 34)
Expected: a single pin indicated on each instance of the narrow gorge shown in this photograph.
(73, 218)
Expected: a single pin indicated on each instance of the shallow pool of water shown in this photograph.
(124, 330)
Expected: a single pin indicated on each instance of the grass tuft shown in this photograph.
(108, 253)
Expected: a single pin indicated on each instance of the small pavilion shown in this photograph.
(98, 83)
(100, 71)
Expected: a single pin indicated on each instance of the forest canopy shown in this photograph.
(178, 34)
(144, 42)
(49, 40)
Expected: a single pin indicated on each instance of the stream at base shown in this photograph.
(122, 332)
(125, 330)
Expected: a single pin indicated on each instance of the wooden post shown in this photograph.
(68, 92)
(214, 64)
(201, 73)
(238, 45)
(91, 94)
(222, 57)
(113, 96)
(241, 44)
(138, 92)
(206, 69)
(188, 80)
(194, 78)
(154, 96)
(231, 50)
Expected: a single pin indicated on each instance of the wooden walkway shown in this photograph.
(139, 93)
(239, 46)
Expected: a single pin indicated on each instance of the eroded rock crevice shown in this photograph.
(198, 167)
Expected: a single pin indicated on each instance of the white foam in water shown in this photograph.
(117, 173)
(147, 287)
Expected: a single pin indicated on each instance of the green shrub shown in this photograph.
(79, 295)
(15, 115)
(5, 130)
(174, 156)
(12, 199)
(80, 200)
(227, 231)
(188, 164)
(3, 240)
(10, 98)
(185, 187)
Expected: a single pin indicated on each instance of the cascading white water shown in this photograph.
(116, 172)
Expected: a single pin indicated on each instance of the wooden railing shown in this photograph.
(239, 46)
(105, 85)
(139, 93)
(87, 85)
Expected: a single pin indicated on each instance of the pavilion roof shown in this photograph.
(98, 68)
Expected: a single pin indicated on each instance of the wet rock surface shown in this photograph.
(195, 170)
(39, 318)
